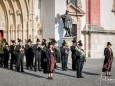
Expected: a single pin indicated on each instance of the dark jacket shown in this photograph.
(29, 50)
(107, 53)
(37, 50)
(48, 53)
(64, 51)
(73, 51)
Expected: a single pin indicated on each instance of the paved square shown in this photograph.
(91, 73)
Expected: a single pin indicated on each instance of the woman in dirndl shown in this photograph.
(108, 59)
(51, 60)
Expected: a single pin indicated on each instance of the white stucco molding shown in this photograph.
(96, 29)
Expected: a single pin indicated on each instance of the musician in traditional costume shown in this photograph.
(108, 53)
(37, 52)
(6, 55)
(20, 55)
(13, 54)
(80, 58)
(64, 55)
(1, 53)
(73, 55)
(43, 54)
(29, 54)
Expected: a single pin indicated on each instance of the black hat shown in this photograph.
(44, 40)
(80, 43)
(13, 41)
(19, 40)
(43, 43)
(6, 43)
(53, 41)
(109, 43)
(67, 11)
(37, 40)
(4, 40)
(74, 40)
(64, 43)
(29, 40)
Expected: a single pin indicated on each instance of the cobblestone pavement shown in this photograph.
(91, 73)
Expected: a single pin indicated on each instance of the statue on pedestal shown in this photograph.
(67, 21)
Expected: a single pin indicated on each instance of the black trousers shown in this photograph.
(64, 62)
(6, 59)
(1, 59)
(30, 61)
(37, 65)
(79, 68)
(13, 60)
(73, 62)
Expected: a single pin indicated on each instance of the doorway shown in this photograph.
(1, 34)
(74, 30)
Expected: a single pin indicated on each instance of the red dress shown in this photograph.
(52, 61)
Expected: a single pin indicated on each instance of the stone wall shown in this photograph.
(48, 18)
(98, 43)
(107, 16)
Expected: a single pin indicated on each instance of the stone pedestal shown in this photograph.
(95, 39)
(69, 43)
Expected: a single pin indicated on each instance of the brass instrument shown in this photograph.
(22, 49)
(39, 46)
(14, 52)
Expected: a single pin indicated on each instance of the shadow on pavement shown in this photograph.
(89, 73)
(27, 73)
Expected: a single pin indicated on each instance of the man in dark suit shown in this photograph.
(73, 54)
(29, 54)
(13, 54)
(64, 56)
(80, 56)
(20, 56)
(37, 52)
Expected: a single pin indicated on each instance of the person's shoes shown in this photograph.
(81, 77)
(39, 69)
(51, 78)
(22, 70)
(27, 68)
(35, 70)
(78, 77)
(109, 75)
(106, 75)
(65, 70)
(11, 68)
(31, 68)
(18, 70)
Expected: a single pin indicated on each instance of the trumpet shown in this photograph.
(22, 49)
